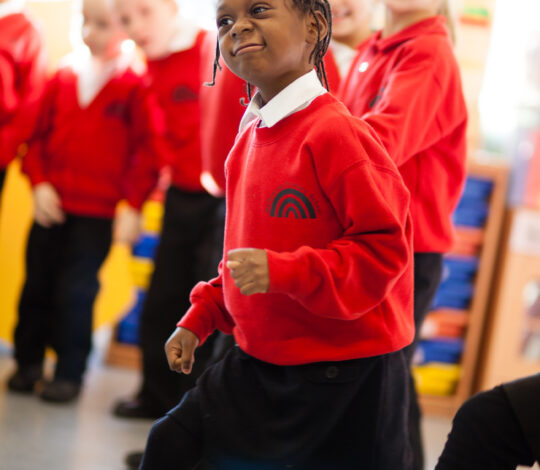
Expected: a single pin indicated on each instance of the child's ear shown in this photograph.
(317, 27)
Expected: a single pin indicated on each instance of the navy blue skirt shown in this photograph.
(320, 416)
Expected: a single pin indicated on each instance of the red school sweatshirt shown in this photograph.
(221, 113)
(318, 192)
(176, 81)
(97, 155)
(23, 74)
(407, 86)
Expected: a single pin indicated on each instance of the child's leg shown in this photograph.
(176, 272)
(485, 434)
(427, 275)
(36, 308)
(171, 446)
(89, 241)
(2, 178)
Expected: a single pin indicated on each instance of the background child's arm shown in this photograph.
(47, 204)
(208, 312)
(421, 102)
(146, 135)
(9, 98)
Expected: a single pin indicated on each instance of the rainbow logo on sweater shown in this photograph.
(292, 202)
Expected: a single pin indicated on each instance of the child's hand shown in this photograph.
(180, 349)
(47, 205)
(249, 269)
(127, 226)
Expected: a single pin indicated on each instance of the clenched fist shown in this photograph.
(180, 350)
(249, 269)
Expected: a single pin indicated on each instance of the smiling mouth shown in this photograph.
(341, 15)
(247, 48)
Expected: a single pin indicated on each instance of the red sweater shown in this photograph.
(23, 69)
(408, 88)
(332, 71)
(98, 155)
(320, 194)
(221, 113)
(176, 80)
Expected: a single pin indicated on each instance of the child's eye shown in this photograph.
(124, 20)
(257, 10)
(224, 21)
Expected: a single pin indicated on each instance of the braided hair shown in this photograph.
(317, 55)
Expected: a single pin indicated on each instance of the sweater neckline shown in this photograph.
(268, 135)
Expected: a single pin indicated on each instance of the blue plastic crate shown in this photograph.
(471, 216)
(460, 268)
(441, 350)
(128, 328)
(146, 246)
(477, 188)
(453, 294)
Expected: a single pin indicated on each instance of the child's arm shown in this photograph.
(421, 103)
(146, 130)
(47, 204)
(9, 98)
(208, 312)
(146, 139)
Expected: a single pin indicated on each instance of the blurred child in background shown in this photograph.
(405, 82)
(173, 47)
(351, 27)
(94, 145)
(23, 73)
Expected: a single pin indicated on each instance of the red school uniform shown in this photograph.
(176, 81)
(336, 229)
(331, 68)
(221, 113)
(23, 73)
(98, 154)
(407, 86)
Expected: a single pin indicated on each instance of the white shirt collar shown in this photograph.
(344, 56)
(186, 32)
(11, 7)
(296, 96)
(93, 75)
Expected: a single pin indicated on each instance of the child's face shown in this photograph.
(267, 43)
(349, 17)
(409, 6)
(101, 29)
(150, 23)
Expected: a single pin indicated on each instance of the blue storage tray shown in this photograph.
(442, 350)
(459, 268)
(471, 216)
(128, 328)
(146, 246)
(452, 294)
(477, 188)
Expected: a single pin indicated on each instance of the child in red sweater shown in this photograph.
(316, 280)
(406, 84)
(351, 27)
(23, 73)
(93, 146)
(173, 48)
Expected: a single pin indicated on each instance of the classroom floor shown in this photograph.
(84, 436)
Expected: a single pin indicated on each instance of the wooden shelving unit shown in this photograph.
(448, 405)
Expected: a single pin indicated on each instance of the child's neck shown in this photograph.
(396, 22)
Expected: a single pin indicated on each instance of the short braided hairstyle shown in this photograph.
(317, 55)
